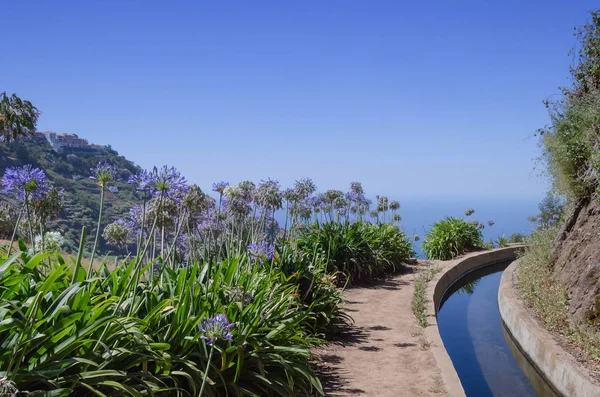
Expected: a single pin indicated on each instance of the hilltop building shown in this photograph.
(70, 144)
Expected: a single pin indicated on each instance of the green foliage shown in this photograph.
(316, 288)
(516, 238)
(17, 117)
(502, 241)
(570, 143)
(586, 73)
(419, 299)
(488, 245)
(8, 219)
(359, 250)
(548, 296)
(107, 335)
(451, 237)
(535, 278)
(81, 194)
(551, 209)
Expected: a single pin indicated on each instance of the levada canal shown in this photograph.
(486, 359)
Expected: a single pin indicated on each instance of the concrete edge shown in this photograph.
(558, 366)
(451, 271)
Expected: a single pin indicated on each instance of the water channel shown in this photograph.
(487, 360)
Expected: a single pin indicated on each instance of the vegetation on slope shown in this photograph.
(559, 269)
(548, 297)
(71, 175)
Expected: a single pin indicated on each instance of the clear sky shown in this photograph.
(414, 99)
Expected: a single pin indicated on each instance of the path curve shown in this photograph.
(385, 353)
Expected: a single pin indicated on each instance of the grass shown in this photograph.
(419, 299)
(548, 297)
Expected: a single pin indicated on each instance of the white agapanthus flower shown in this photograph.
(232, 192)
(51, 242)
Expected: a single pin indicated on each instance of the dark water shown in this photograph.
(476, 340)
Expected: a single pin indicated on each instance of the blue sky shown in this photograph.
(414, 99)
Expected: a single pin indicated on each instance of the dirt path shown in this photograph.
(385, 352)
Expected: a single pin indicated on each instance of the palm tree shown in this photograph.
(17, 117)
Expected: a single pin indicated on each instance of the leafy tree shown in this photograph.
(18, 118)
(586, 72)
(551, 208)
(570, 144)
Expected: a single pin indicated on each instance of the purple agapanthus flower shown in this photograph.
(25, 182)
(168, 182)
(211, 223)
(142, 181)
(313, 201)
(136, 213)
(103, 173)
(354, 197)
(125, 223)
(356, 187)
(261, 251)
(216, 327)
(290, 194)
(247, 191)
(219, 187)
(303, 209)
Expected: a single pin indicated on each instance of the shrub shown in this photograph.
(570, 143)
(516, 238)
(72, 335)
(502, 241)
(359, 250)
(316, 289)
(534, 278)
(547, 296)
(451, 237)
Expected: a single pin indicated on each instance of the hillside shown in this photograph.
(560, 270)
(576, 264)
(71, 172)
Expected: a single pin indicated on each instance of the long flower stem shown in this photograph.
(29, 222)
(12, 239)
(162, 242)
(212, 348)
(79, 254)
(90, 269)
(141, 236)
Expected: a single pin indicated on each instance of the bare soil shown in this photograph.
(385, 353)
(577, 261)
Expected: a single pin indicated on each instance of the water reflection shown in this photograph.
(474, 336)
(541, 386)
